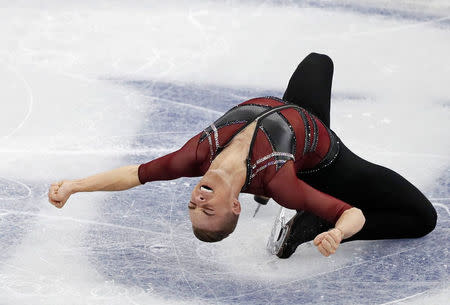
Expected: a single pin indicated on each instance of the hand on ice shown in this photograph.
(328, 242)
(59, 193)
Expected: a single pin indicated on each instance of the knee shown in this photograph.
(427, 222)
(320, 59)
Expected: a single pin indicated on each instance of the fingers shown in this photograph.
(59, 205)
(55, 186)
(327, 242)
(55, 202)
(53, 197)
(337, 235)
(319, 238)
(53, 189)
(323, 251)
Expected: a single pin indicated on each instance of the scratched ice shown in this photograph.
(87, 88)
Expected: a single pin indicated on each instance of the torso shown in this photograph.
(237, 150)
(261, 135)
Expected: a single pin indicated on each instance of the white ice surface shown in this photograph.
(63, 115)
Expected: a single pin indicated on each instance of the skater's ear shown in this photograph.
(236, 208)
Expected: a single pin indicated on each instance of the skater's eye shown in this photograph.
(206, 210)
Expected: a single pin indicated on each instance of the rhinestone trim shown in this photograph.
(216, 135)
(221, 126)
(315, 134)
(231, 123)
(274, 154)
(313, 170)
(307, 131)
(210, 147)
(265, 166)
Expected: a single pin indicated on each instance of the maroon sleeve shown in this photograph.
(180, 163)
(289, 191)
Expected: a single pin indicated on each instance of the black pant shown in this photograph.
(393, 207)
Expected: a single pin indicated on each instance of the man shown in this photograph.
(282, 149)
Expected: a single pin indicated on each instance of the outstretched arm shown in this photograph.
(118, 179)
(181, 163)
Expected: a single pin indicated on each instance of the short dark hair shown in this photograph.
(215, 236)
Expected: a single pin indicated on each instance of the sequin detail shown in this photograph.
(307, 131)
(315, 134)
(274, 154)
(334, 145)
(265, 166)
(210, 147)
(216, 135)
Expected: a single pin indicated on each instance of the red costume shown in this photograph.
(287, 140)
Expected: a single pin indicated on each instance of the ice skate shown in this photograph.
(301, 228)
(280, 230)
(261, 200)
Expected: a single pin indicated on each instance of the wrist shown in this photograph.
(341, 232)
(75, 186)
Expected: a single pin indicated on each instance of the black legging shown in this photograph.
(392, 206)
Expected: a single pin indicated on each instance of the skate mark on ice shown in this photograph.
(391, 12)
(5, 191)
(350, 35)
(324, 273)
(181, 267)
(20, 269)
(92, 222)
(440, 198)
(395, 29)
(407, 298)
(436, 204)
(415, 155)
(30, 102)
(124, 151)
(184, 104)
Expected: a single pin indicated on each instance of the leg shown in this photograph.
(393, 207)
(310, 86)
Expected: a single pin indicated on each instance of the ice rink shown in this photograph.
(91, 87)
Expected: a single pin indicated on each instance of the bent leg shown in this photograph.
(310, 86)
(393, 207)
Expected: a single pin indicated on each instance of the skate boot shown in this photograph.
(301, 228)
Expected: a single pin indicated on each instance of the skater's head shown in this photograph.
(213, 208)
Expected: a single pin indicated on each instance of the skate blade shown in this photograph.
(280, 230)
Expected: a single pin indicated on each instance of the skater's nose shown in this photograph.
(200, 197)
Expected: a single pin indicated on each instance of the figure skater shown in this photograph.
(282, 149)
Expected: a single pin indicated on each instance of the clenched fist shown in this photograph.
(328, 242)
(59, 193)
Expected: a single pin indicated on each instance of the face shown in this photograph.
(211, 200)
